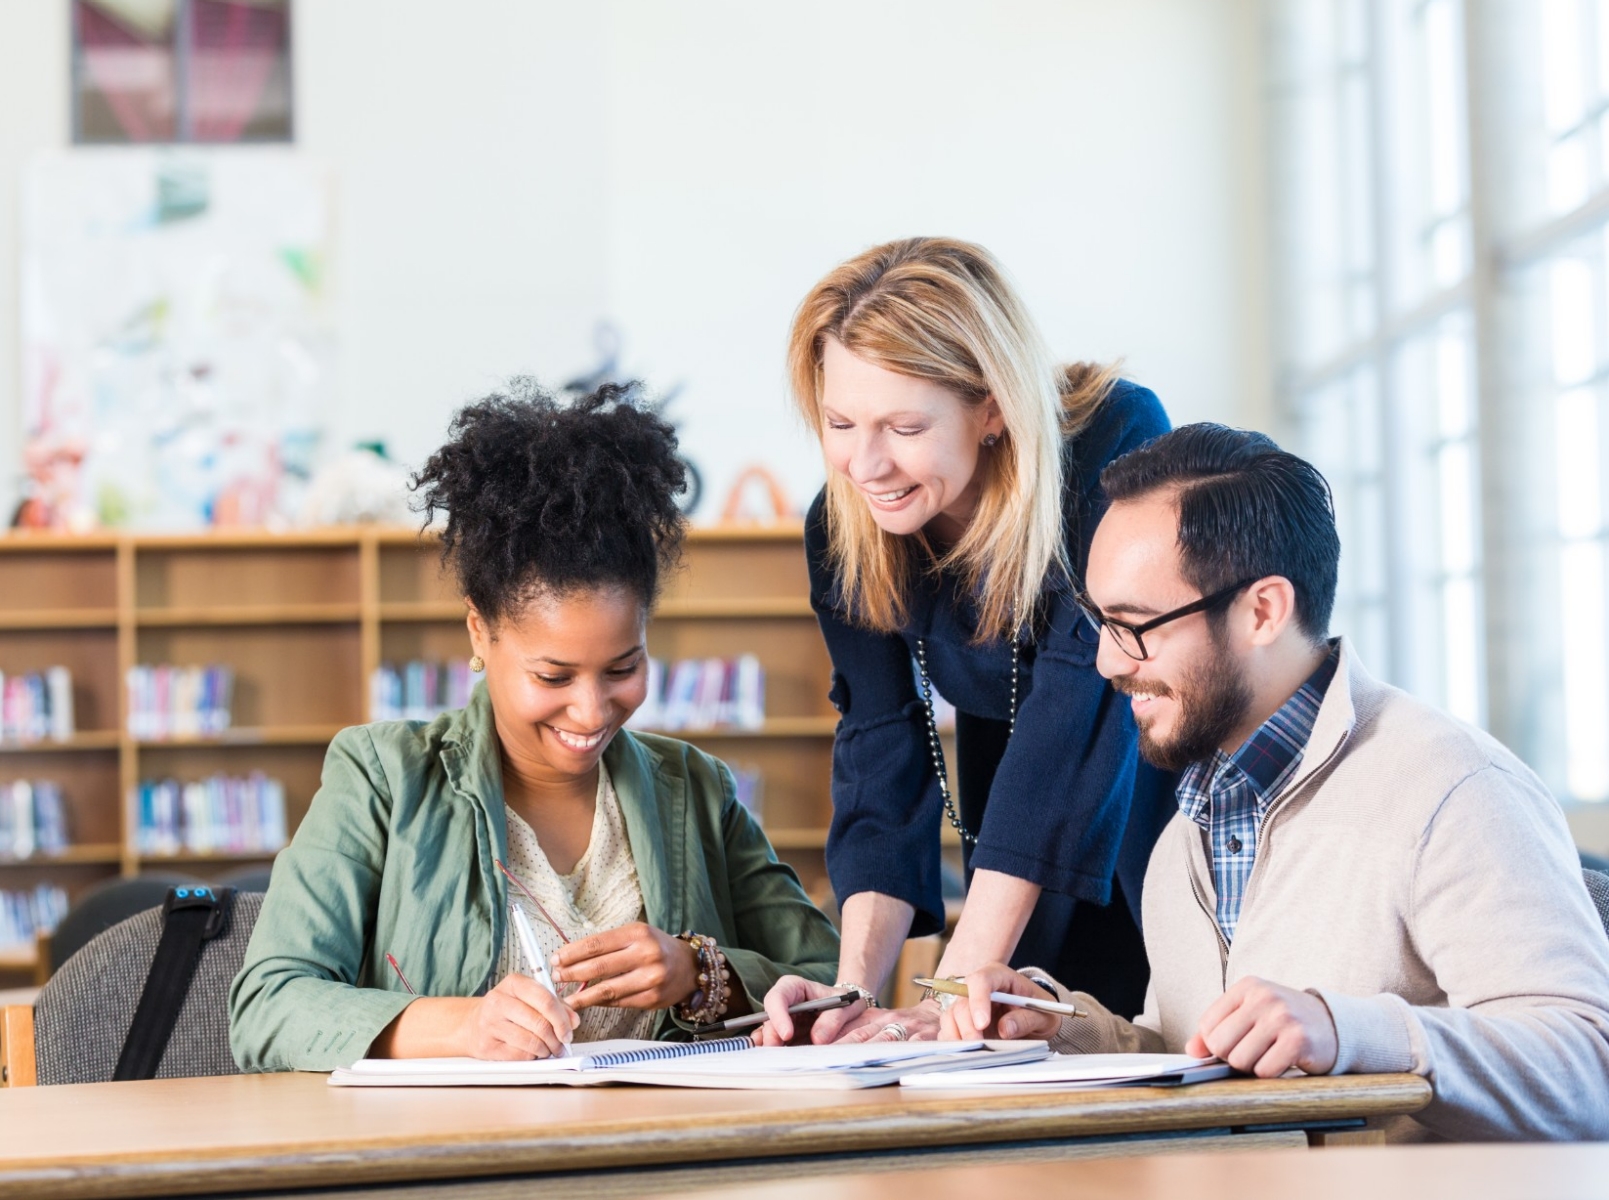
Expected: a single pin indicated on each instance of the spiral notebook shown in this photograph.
(726, 1063)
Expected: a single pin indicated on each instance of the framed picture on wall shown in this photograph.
(187, 71)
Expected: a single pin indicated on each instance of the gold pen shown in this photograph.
(958, 987)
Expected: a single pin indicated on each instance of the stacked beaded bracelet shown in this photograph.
(708, 1002)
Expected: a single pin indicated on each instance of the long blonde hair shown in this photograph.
(942, 310)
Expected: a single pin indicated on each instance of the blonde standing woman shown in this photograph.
(961, 497)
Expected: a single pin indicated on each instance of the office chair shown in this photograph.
(1598, 888)
(97, 910)
(75, 1030)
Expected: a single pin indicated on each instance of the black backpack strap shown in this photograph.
(191, 917)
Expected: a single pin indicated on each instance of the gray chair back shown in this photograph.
(103, 906)
(83, 1014)
(1598, 889)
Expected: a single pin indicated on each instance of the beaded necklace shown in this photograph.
(937, 751)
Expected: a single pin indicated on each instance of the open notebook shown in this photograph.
(727, 1063)
(1069, 1072)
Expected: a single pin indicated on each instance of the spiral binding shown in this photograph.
(664, 1051)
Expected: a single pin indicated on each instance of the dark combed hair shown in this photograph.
(547, 497)
(1247, 509)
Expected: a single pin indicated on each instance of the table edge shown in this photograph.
(912, 1123)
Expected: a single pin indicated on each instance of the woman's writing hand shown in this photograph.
(782, 1028)
(856, 1023)
(975, 1016)
(635, 966)
(518, 1019)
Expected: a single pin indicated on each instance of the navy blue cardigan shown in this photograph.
(1059, 811)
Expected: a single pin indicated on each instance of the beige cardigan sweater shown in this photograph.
(1421, 880)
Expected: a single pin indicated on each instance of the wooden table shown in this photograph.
(270, 1132)
(1489, 1172)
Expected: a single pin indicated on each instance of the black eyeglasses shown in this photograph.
(1130, 639)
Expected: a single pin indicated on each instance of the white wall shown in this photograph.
(33, 116)
(1106, 152)
(469, 143)
(513, 170)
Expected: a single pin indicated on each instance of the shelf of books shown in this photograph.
(166, 700)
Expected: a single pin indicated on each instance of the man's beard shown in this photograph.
(1213, 698)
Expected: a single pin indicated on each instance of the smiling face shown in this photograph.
(1191, 695)
(910, 446)
(564, 674)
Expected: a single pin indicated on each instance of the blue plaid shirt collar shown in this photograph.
(1268, 758)
(1228, 795)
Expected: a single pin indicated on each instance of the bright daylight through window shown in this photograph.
(1441, 191)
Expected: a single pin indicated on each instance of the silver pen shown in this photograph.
(533, 951)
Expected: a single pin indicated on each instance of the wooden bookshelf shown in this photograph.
(304, 619)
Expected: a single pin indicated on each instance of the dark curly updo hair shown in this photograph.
(545, 497)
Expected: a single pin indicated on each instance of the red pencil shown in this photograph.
(392, 960)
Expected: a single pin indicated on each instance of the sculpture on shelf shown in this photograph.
(51, 496)
(361, 487)
(775, 505)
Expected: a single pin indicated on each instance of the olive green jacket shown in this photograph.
(396, 856)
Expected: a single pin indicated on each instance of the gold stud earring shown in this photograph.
(477, 664)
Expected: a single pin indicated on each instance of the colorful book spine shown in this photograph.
(179, 702)
(420, 690)
(33, 819)
(221, 814)
(25, 915)
(37, 706)
(703, 694)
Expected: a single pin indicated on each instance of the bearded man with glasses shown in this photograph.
(1355, 881)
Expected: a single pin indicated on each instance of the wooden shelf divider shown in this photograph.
(426, 610)
(222, 857)
(717, 608)
(261, 735)
(58, 618)
(110, 853)
(88, 739)
(263, 614)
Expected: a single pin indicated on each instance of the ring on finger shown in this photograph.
(896, 1031)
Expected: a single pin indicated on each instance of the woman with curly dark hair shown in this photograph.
(429, 845)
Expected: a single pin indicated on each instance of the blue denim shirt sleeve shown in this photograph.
(1058, 811)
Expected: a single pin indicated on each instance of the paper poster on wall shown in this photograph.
(178, 336)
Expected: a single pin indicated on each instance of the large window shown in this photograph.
(1376, 372)
(1441, 175)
